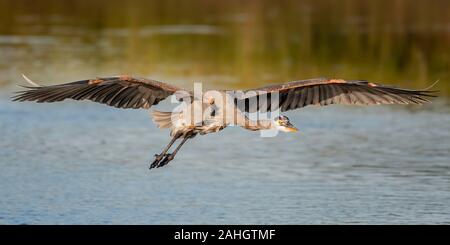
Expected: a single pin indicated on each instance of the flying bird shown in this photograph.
(224, 107)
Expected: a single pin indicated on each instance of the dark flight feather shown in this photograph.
(324, 92)
(119, 91)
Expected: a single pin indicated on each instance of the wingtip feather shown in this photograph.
(30, 81)
(432, 85)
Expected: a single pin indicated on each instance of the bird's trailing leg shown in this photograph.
(159, 157)
(169, 157)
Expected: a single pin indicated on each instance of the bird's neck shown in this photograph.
(255, 125)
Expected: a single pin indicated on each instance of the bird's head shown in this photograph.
(282, 123)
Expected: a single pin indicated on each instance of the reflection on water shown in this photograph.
(82, 162)
(227, 43)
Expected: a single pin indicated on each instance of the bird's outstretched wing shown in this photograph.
(324, 92)
(118, 91)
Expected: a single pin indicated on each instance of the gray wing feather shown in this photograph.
(322, 92)
(118, 91)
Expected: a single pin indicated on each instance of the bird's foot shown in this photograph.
(167, 158)
(158, 158)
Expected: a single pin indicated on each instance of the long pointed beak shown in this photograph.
(291, 128)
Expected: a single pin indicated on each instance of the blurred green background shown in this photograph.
(227, 44)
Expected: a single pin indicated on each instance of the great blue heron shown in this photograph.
(130, 92)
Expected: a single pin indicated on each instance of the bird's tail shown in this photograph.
(163, 119)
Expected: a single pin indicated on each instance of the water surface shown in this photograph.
(73, 163)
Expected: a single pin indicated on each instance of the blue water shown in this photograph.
(84, 163)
